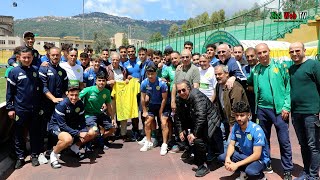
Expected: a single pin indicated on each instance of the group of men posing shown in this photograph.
(212, 105)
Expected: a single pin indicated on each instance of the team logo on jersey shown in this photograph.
(77, 110)
(275, 70)
(41, 112)
(78, 70)
(104, 96)
(17, 117)
(257, 121)
(249, 137)
(158, 88)
(60, 73)
(34, 74)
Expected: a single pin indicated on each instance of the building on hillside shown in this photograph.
(9, 42)
(75, 41)
(6, 26)
(118, 37)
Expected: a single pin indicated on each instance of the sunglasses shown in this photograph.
(221, 52)
(182, 90)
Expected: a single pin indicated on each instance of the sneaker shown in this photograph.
(19, 163)
(105, 147)
(202, 171)
(54, 161)
(268, 169)
(147, 146)
(174, 149)
(186, 154)
(287, 176)
(47, 153)
(42, 159)
(243, 176)
(34, 161)
(154, 142)
(302, 176)
(80, 155)
(142, 141)
(164, 149)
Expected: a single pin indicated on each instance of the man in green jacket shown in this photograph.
(271, 86)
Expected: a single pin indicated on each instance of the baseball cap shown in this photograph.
(168, 50)
(27, 34)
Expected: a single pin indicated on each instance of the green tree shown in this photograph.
(222, 15)
(298, 5)
(157, 36)
(125, 41)
(203, 19)
(101, 40)
(173, 30)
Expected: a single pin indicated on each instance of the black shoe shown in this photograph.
(202, 171)
(47, 153)
(268, 169)
(35, 161)
(19, 163)
(287, 176)
(186, 155)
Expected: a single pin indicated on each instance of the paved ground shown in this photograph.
(124, 161)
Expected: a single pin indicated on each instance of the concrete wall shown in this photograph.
(304, 34)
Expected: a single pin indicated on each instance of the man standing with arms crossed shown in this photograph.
(305, 108)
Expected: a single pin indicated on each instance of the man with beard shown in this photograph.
(55, 85)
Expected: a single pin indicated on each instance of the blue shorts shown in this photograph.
(99, 120)
(55, 131)
(153, 110)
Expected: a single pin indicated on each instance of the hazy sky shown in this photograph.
(136, 9)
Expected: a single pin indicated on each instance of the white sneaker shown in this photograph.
(243, 176)
(42, 159)
(142, 141)
(164, 149)
(147, 146)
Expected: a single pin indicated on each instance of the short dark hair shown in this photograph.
(185, 82)
(48, 46)
(105, 49)
(188, 43)
(113, 49)
(87, 49)
(72, 49)
(101, 75)
(157, 53)
(84, 55)
(131, 46)
(240, 107)
(18, 49)
(250, 49)
(150, 52)
(25, 50)
(151, 68)
(65, 47)
(122, 47)
(177, 52)
(238, 45)
(211, 45)
(142, 49)
(194, 54)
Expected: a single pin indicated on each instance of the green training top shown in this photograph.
(169, 73)
(305, 87)
(265, 99)
(93, 100)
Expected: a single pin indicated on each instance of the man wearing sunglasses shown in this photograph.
(197, 121)
(235, 71)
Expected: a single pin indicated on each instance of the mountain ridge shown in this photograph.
(57, 26)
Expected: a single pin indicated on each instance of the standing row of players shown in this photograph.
(227, 89)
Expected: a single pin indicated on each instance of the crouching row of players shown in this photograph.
(73, 122)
